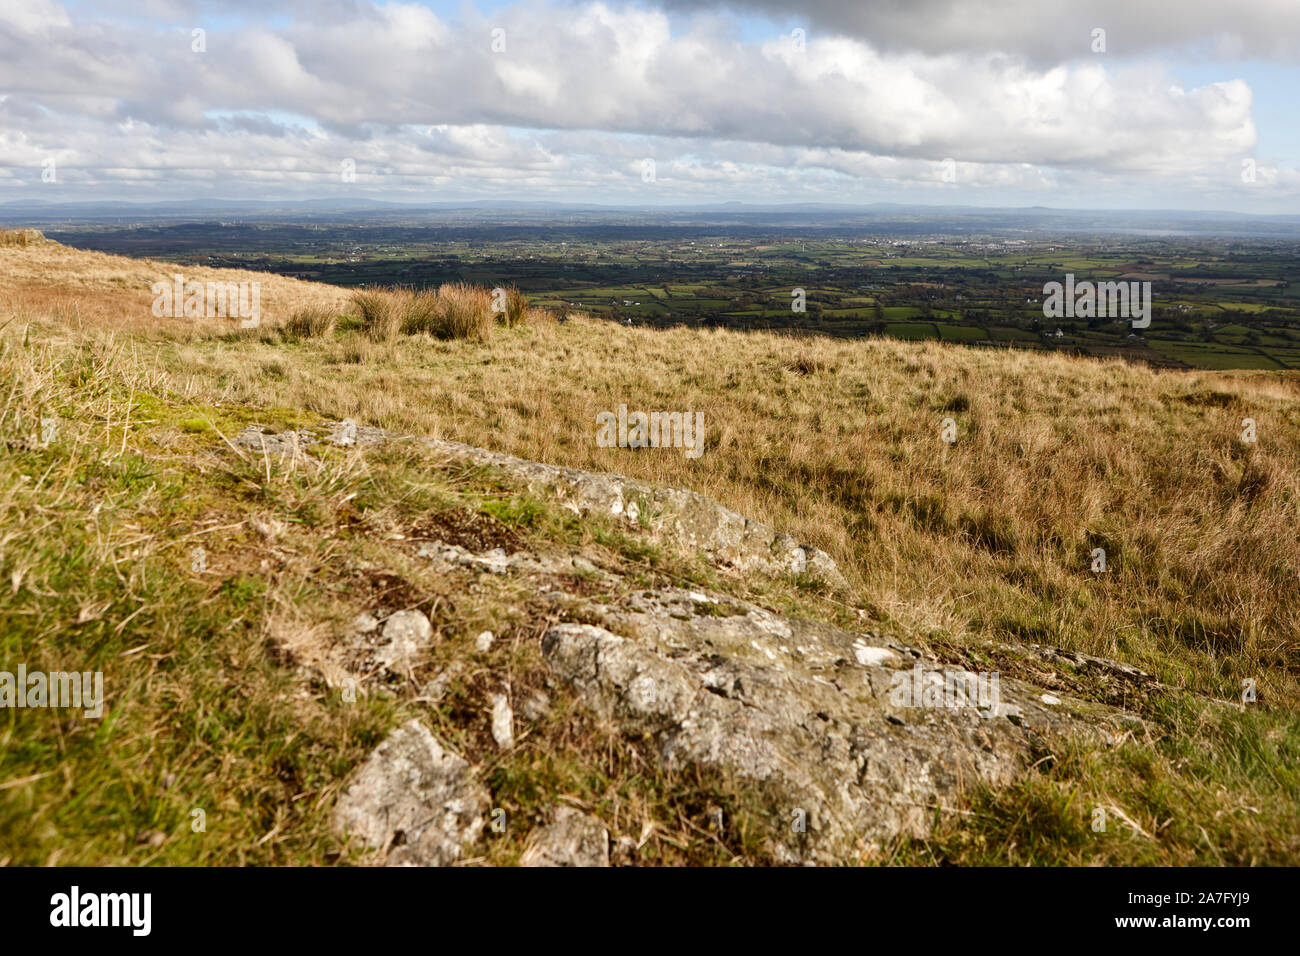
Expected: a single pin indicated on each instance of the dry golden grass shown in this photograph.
(464, 312)
(380, 312)
(311, 322)
(839, 443)
(454, 311)
(22, 237)
(993, 535)
(92, 290)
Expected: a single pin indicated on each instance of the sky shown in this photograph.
(1092, 104)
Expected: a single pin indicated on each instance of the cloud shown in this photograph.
(572, 97)
(1045, 31)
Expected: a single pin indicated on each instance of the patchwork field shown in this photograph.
(1204, 291)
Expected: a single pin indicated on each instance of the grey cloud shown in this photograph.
(1044, 31)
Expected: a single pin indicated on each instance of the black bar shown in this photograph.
(333, 907)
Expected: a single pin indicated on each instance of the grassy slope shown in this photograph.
(987, 538)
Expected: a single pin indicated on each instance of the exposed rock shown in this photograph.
(571, 839)
(857, 737)
(413, 800)
(684, 517)
(867, 655)
(497, 561)
(1114, 670)
(503, 722)
(365, 623)
(1097, 678)
(264, 441)
(790, 705)
(405, 635)
(345, 434)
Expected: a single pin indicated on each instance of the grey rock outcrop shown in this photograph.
(851, 739)
(571, 839)
(413, 800)
(498, 561)
(683, 517)
(846, 740)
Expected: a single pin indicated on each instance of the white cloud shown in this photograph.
(30, 18)
(582, 93)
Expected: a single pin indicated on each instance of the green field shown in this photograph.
(912, 330)
(961, 333)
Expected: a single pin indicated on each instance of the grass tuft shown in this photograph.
(311, 322)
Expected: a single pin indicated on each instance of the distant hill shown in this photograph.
(886, 218)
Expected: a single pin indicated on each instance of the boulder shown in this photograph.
(413, 800)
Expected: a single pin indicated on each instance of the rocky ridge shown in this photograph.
(685, 518)
(848, 739)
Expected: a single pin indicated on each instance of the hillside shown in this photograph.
(305, 556)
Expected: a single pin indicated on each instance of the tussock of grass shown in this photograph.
(379, 312)
(420, 311)
(455, 311)
(464, 312)
(311, 322)
(21, 237)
